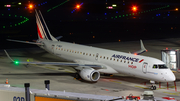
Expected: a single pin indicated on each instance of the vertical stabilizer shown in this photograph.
(42, 29)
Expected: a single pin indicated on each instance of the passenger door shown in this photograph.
(144, 67)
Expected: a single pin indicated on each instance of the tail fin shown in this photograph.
(42, 29)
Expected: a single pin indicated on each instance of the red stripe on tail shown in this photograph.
(39, 33)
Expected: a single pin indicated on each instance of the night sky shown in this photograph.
(93, 22)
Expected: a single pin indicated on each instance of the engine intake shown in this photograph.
(89, 74)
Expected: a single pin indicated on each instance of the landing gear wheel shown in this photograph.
(153, 87)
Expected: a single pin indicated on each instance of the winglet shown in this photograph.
(8, 55)
(142, 50)
(142, 45)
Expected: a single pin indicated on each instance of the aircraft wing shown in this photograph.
(142, 50)
(26, 42)
(95, 66)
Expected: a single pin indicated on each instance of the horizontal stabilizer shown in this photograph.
(59, 37)
(142, 50)
(26, 42)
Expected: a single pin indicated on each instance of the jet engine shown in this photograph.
(89, 74)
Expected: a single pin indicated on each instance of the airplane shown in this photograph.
(91, 61)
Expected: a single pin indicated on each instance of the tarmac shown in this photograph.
(62, 78)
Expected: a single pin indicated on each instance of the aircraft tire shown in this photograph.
(151, 87)
(154, 87)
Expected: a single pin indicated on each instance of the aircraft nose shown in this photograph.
(171, 77)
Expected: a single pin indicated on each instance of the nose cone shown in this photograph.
(170, 76)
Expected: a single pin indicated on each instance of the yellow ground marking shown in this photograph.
(69, 71)
(50, 68)
(141, 87)
(177, 94)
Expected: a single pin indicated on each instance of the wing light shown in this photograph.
(16, 62)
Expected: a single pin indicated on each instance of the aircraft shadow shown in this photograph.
(125, 78)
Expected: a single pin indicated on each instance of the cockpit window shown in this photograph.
(155, 66)
(162, 67)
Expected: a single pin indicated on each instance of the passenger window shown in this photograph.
(86, 53)
(67, 50)
(155, 66)
(72, 51)
(104, 57)
(61, 48)
(93, 55)
(100, 56)
(110, 58)
(124, 61)
(89, 54)
(117, 60)
(121, 60)
(114, 59)
(128, 62)
(83, 53)
(80, 52)
(131, 62)
(75, 52)
(64, 49)
(107, 58)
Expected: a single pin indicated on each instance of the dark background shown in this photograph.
(90, 20)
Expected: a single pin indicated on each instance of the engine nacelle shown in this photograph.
(89, 74)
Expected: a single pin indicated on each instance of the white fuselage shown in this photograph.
(115, 61)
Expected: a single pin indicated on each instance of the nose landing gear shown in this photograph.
(153, 87)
